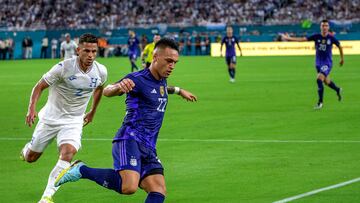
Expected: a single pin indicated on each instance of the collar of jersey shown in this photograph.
(78, 66)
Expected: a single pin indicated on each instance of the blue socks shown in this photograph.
(108, 178)
(155, 197)
(333, 86)
(133, 66)
(111, 179)
(231, 72)
(320, 90)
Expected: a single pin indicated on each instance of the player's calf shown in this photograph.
(31, 156)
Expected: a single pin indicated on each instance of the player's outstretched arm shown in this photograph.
(221, 46)
(124, 86)
(341, 55)
(238, 45)
(293, 39)
(96, 100)
(35, 95)
(183, 93)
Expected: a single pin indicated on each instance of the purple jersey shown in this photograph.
(230, 45)
(133, 44)
(145, 109)
(323, 46)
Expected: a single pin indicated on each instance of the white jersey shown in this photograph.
(70, 91)
(69, 48)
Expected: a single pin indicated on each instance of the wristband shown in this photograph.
(177, 90)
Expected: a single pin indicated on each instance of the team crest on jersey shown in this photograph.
(323, 41)
(328, 42)
(162, 90)
(133, 162)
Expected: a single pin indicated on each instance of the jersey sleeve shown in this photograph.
(146, 50)
(311, 37)
(62, 46)
(75, 45)
(223, 40)
(54, 74)
(236, 40)
(335, 41)
(135, 80)
(103, 75)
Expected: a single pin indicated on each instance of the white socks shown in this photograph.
(25, 149)
(50, 188)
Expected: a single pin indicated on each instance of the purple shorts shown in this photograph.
(132, 155)
(230, 59)
(324, 69)
(132, 55)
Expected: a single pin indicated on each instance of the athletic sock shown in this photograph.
(320, 90)
(133, 66)
(234, 72)
(50, 188)
(25, 149)
(108, 178)
(333, 86)
(230, 72)
(155, 197)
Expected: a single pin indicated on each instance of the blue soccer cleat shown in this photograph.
(70, 174)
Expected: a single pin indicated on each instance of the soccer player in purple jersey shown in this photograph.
(133, 46)
(134, 146)
(229, 40)
(323, 45)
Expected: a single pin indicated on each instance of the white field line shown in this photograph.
(209, 140)
(318, 191)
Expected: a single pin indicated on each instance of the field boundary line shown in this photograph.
(208, 140)
(313, 192)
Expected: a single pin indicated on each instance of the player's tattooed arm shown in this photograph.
(183, 93)
(124, 86)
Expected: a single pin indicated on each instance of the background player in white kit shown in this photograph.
(71, 84)
(68, 47)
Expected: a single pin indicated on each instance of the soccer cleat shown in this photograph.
(70, 174)
(319, 105)
(46, 200)
(232, 80)
(339, 93)
(23, 152)
(22, 157)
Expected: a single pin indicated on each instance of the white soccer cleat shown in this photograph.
(318, 106)
(46, 200)
(232, 80)
(23, 152)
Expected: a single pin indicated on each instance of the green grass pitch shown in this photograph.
(222, 148)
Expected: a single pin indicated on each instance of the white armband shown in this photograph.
(177, 90)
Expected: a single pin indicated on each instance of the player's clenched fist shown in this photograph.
(124, 86)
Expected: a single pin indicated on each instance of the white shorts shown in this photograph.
(65, 134)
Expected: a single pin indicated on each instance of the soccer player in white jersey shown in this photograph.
(68, 47)
(71, 84)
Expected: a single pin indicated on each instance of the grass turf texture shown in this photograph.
(272, 99)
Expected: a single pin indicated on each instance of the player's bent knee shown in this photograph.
(67, 152)
(128, 189)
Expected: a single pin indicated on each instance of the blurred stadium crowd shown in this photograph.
(109, 14)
